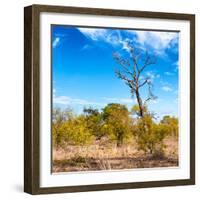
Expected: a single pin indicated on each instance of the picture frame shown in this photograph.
(33, 105)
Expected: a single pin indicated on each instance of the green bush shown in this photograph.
(117, 123)
(150, 136)
(114, 123)
(171, 124)
(70, 130)
(94, 122)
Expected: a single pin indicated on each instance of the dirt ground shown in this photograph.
(101, 157)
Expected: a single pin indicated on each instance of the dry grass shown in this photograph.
(106, 157)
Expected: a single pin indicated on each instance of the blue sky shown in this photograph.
(84, 69)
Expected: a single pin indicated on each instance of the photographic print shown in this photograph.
(115, 98)
(109, 99)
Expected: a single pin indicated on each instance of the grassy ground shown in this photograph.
(109, 157)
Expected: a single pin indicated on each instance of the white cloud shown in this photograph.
(65, 100)
(176, 92)
(120, 100)
(112, 37)
(152, 75)
(158, 76)
(176, 65)
(164, 83)
(159, 41)
(61, 100)
(56, 42)
(169, 73)
(127, 100)
(155, 101)
(176, 100)
(85, 47)
(167, 88)
(110, 99)
(94, 33)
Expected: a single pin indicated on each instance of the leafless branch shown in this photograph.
(128, 81)
(148, 61)
(124, 63)
(131, 74)
(145, 82)
(151, 96)
(135, 62)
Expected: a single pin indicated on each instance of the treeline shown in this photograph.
(115, 123)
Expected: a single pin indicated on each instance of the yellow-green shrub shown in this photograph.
(117, 123)
(150, 136)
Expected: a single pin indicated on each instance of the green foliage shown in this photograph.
(171, 124)
(135, 110)
(114, 123)
(94, 122)
(117, 123)
(59, 118)
(151, 135)
(76, 131)
(70, 129)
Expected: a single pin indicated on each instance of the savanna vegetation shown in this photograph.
(116, 137)
(112, 139)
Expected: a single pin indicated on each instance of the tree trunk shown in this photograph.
(139, 100)
(119, 139)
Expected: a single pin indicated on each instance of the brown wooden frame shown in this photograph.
(32, 105)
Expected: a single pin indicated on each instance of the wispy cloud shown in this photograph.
(61, 100)
(94, 33)
(65, 100)
(157, 75)
(167, 89)
(86, 47)
(159, 41)
(152, 75)
(58, 38)
(154, 101)
(119, 100)
(176, 65)
(169, 73)
(108, 36)
(176, 100)
(56, 42)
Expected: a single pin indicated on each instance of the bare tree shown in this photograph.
(132, 74)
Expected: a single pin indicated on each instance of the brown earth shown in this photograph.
(109, 157)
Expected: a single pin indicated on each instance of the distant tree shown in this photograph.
(171, 124)
(135, 110)
(150, 136)
(76, 131)
(90, 111)
(94, 121)
(59, 117)
(131, 73)
(68, 128)
(117, 123)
